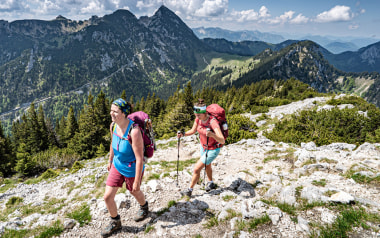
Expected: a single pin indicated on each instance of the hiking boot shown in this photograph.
(115, 225)
(142, 213)
(210, 186)
(186, 192)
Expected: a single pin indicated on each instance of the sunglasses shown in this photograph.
(199, 110)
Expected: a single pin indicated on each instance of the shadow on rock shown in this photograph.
(182, 213)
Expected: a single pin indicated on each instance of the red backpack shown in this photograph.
(219, 114)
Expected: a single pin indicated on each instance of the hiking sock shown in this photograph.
(145, 205)
(116, 217)
(190, 189)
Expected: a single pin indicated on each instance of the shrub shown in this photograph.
(76, 166)
(49, 174)
(325, 127)
(240, 127)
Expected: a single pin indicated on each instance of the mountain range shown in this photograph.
(59, 62)
(332, 43)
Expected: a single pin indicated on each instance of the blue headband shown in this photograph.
(122, 105)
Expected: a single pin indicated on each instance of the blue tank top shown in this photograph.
(124, 158)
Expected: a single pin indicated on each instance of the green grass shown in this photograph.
(169, 166)
(320, 183)
(270, 158)
(252, 224)
(41, 232)
(349, 218)
(351, 173)
(9, 183)
(170, 144)
(48, 174)
(81, 214)
(148, 229)
(153, 176)
(290, 209)
(170, 204)
(228, 198)
(231, 214)
(198, 236)
(212, 220)
(14, 201)
(330, 161)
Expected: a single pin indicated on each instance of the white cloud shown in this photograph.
(287, 16)
(248, 15)
(299, 19)
(197, 8)
(9, 5)
(264, 12)
(337, 13)
(212, 8)
(93, 7)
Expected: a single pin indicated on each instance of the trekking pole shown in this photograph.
(178, 157)
(204, 174)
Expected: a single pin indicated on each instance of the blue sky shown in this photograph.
(317, 17)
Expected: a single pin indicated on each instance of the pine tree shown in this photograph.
(189, 100)
(7, 161)
(44, 142)
(34, 139)
(131, 101)
(124, 95)
(71, 126)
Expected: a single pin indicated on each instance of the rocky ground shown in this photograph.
(256, 178)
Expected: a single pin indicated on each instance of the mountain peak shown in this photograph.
(60, 18)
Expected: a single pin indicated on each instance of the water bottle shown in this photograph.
(225, 126)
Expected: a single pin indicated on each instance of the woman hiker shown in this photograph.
(209, 150)
(125, 165)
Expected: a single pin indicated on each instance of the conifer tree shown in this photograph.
(131, 101)
(189, 100)
(124, 95)
(7, 161)
(44, 143)
(51, 134)
(71, 126)
(60, 131)
(34, 139)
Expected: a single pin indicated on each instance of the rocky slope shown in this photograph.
(256, 178)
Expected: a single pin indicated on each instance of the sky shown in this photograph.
(340, 18)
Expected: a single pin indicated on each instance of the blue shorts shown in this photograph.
(211, 155)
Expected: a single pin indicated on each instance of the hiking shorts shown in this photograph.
(115, 179)
(211, 155)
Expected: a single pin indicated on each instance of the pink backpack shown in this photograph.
(142, 120)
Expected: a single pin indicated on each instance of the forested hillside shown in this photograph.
(36, 144)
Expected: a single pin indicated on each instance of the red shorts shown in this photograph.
(115, 179)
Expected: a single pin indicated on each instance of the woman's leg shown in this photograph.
(109, 199)
(196, 173)
(139, 195)
(209, 172)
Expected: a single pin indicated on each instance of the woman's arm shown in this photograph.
(217, 135)
(138, 149)
(110, 159)
(190, 132)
